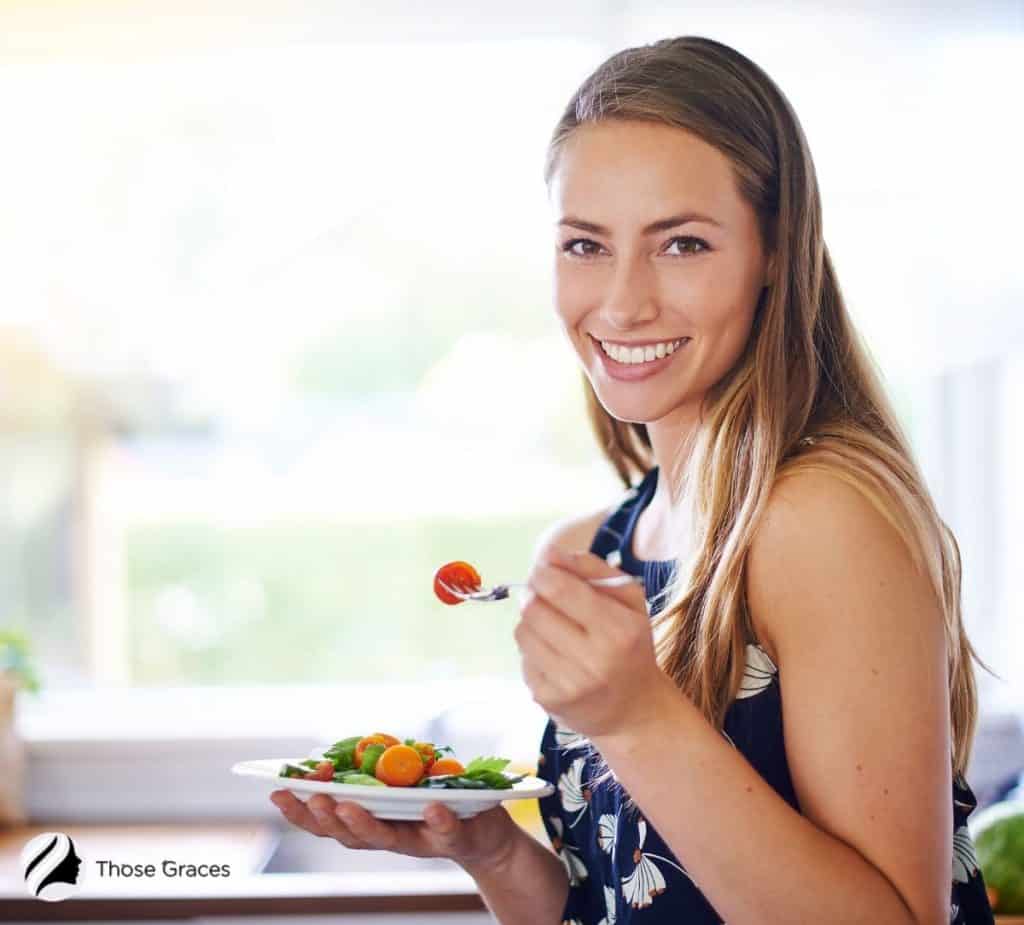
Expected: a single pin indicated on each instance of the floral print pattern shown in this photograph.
(617, 865)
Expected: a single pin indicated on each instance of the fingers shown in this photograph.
(558, 630)
(564, 579)
(370, 831)
(440, 835)
(544, 669)
(295, 811)
(347, 823)
(317, 816)
(533, 646)
(544, 693)
(545, 628)
(444, 828)
(355, 827)
(577, 601)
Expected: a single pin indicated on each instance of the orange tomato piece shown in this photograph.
(445, 766)
(387, 739)
(458, 575)
(377, 738)
(399, 766)
(427, 753)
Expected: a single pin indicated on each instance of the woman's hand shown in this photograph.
(587, 651)
(479, 842)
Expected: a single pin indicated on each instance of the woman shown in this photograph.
(794, 565)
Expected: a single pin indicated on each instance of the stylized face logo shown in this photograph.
(76, 864)
(51, 866)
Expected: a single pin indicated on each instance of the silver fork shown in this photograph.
(500, 592)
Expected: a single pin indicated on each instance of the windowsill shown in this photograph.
(198, 714)
(154, 754)
(157, 754)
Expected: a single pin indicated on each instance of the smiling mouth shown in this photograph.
(638, 356)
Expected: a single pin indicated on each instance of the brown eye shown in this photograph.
(569, 245)
(692, 245)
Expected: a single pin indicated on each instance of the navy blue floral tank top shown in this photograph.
(618, 867)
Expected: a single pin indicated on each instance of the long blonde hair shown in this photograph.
(803, 395)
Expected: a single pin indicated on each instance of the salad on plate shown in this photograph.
(382, 760)
(396, 778)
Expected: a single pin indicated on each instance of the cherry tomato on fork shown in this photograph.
(458, 575)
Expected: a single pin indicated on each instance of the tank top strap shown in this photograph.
(612, 540)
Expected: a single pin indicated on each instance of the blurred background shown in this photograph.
(276, 339)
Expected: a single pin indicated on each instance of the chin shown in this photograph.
(628, 412)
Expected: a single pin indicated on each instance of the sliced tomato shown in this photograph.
(458, 575)
(324, 771)
(399, 766)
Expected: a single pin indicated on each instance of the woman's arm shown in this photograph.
(862, 667)
(527, 886)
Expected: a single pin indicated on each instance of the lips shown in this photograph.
(632, 372)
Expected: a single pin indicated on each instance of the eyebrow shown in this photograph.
(663, 224)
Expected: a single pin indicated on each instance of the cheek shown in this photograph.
(723, 316)
(728, 320)
(571, 298)
(735, 336)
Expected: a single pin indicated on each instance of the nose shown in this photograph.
(629, 301)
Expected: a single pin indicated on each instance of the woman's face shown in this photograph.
(692, 280)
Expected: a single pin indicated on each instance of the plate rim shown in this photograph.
(402, 794)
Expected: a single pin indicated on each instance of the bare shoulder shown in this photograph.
(809, 505)
(821, 536)
(816, 501)
(858, 636)
(572, 533)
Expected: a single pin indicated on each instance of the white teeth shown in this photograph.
(640, 354)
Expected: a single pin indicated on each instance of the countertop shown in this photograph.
(246, 849)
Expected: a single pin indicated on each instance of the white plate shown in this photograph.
(392, 802)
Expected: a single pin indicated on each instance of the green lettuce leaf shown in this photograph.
(366, 780)
(370, 755)
(484, 764)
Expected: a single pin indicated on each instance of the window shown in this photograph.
(276, 335)
(296, 302)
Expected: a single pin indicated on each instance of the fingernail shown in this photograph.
(346, 815)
